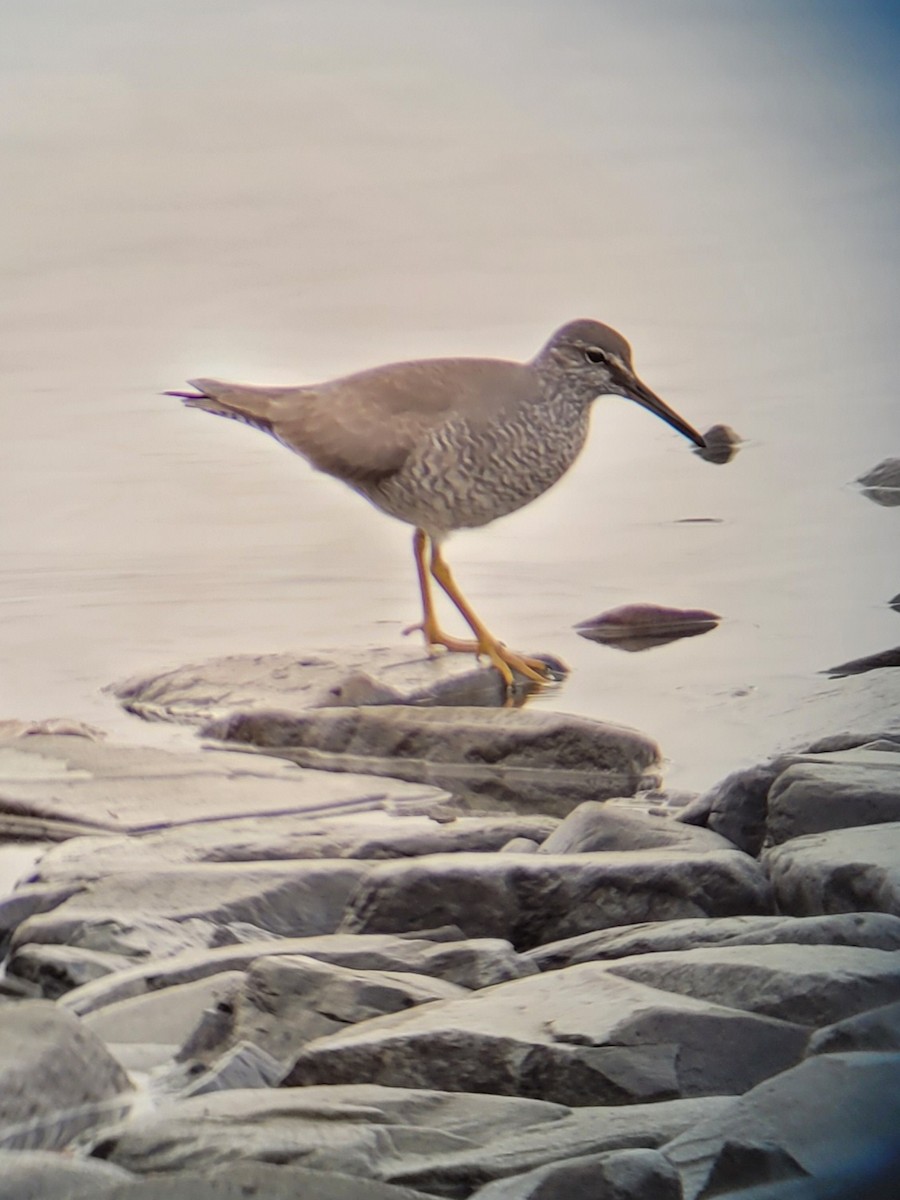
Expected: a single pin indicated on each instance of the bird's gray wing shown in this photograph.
(363, 427)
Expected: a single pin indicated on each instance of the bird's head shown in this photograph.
(597, 361)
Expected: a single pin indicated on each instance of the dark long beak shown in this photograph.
(632, 387)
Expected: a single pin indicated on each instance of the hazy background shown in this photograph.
(286, 190)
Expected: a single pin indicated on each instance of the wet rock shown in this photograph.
(472, 963)
(366, 1130)
(56, 1078)
(852, 1134)
(844, 870)
(580, 1131)
(869, 662)
(877, 1029)
(815, 797)
(617, 1175)
(529, 899)
(45, 1175)
(607, 1041)
(525, 760)
(882, 483)
(595, 826)
(642, 626)
(878, 931)
(370, 835)
(287, 1001)
(220, 687)
(739, 804)
(141, 789)
(810, 985)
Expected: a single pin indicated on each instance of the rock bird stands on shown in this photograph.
(450, 443)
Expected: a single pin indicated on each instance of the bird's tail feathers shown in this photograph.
(251, 405)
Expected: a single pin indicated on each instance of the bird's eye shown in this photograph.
(594, 356)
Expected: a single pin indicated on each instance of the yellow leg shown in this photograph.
(506, 661)
(434, 635)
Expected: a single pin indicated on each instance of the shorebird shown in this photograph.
(450, 443)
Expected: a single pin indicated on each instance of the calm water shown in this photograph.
(285, 191)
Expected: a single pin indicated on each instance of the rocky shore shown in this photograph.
(377, 939)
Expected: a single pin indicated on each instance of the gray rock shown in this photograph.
(286, 1001)
(878, 931)
(471, 964)
(523, 759)
(158, 912)
(594, 826)
(844, 870)
(240, 1180)
(375, 835)
(295, 683)
(535, 898)
(520, 845)
(810, 985)
(142, 789)
(56, 970)
(163, 1019)
(45, 1175)
(815, 797)
(877, 1029)
(28, 900)
(741, 1163)
(365, 1130)
(581, 1131)
(835, 1115)
(617, 1175)
(578, 1036)
(244, 1065)
(56, 1078)
(738, 806)
(882, 482)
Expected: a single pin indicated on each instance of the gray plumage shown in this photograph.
(453, 443)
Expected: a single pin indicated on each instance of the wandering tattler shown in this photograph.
(450, 443)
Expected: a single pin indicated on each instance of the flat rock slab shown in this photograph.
(295, 683)
(810, 985)
(445, 1144)
(877, 931)
(836, 1116)
(522, 759)
(294, 898)
(472, 963)
(529, 899)
(623, 1174)
(137, 789)
(815, 797)
(845, 870)
(582, 1131)
(369, 835)
(877, 1029)
(56, 1078)
(579, 1036)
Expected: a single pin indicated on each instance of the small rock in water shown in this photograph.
(895, 603)
(642, 626)
(882, 483)
(722, 444)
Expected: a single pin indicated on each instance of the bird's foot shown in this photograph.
(508, 661)
(435, 636)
